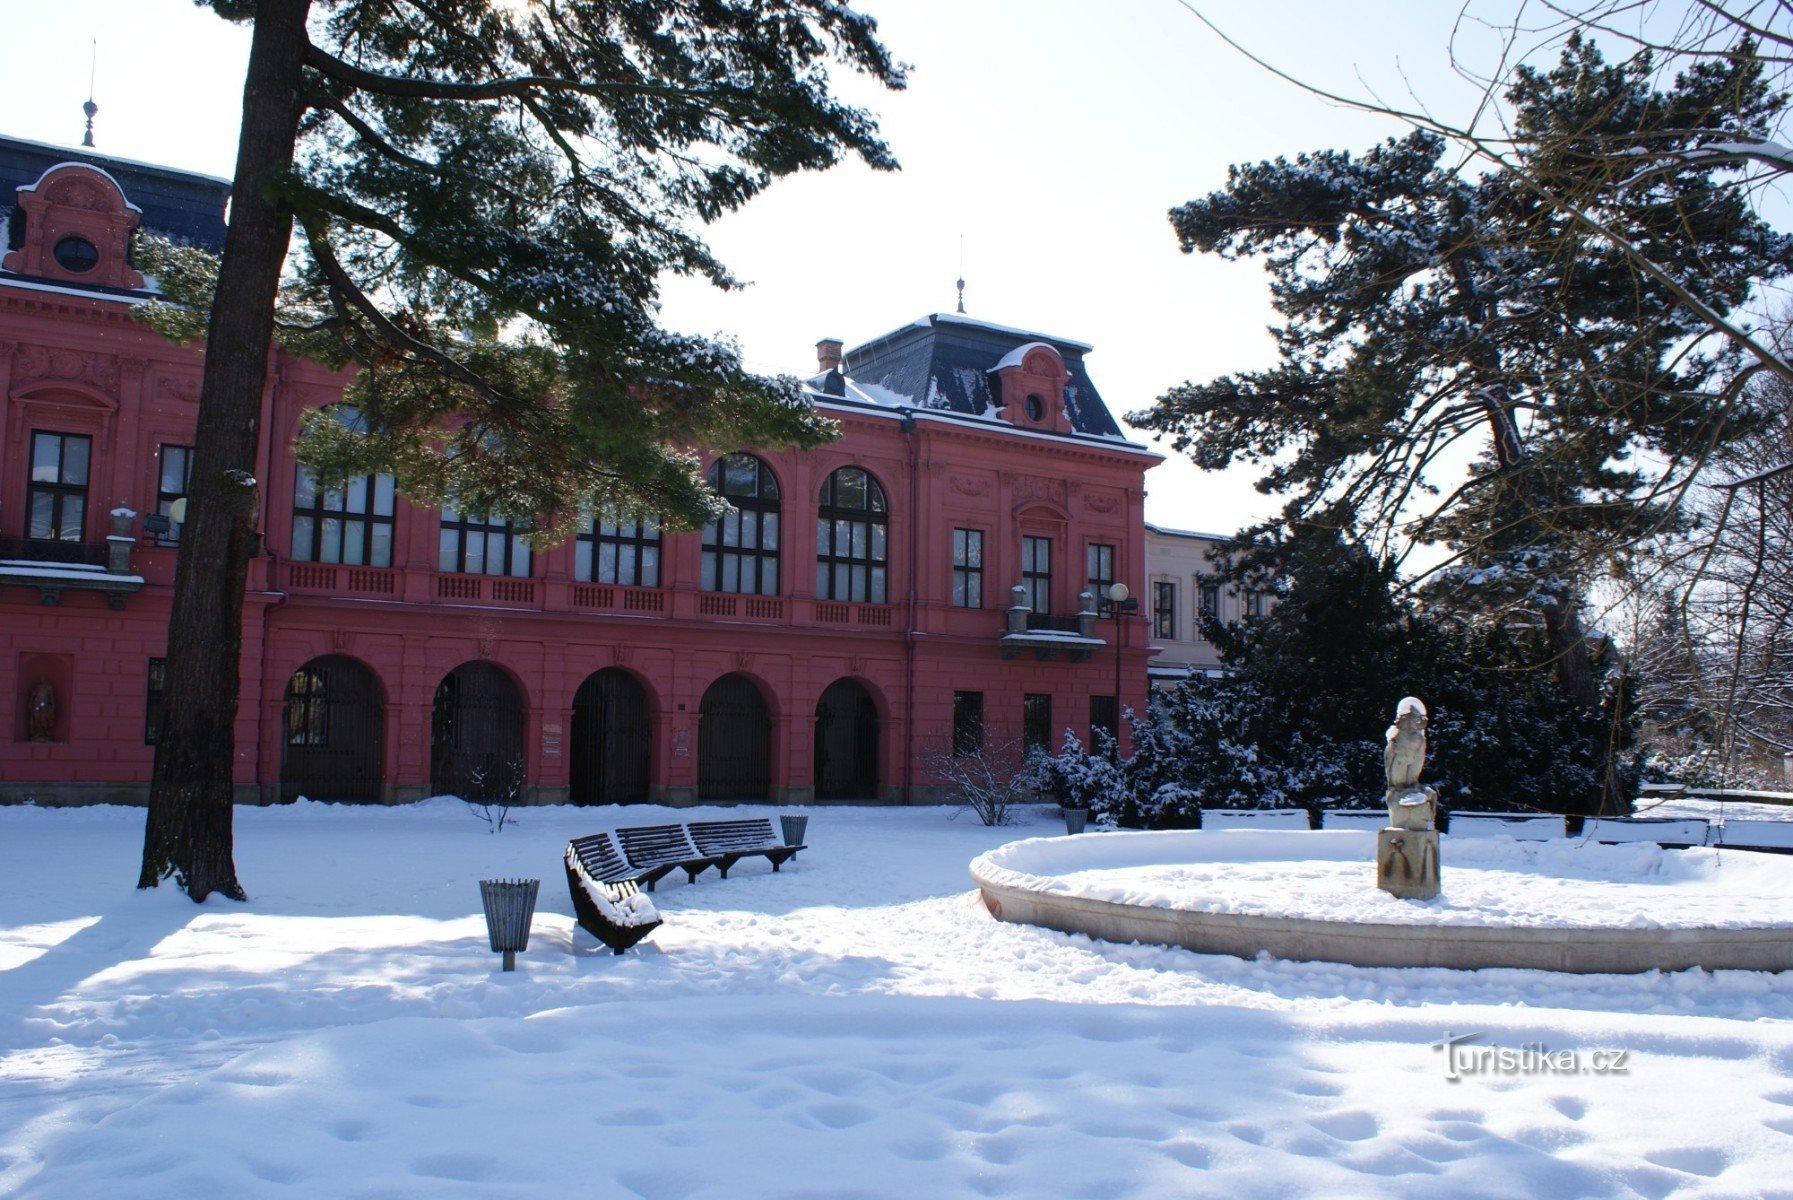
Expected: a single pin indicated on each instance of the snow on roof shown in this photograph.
(159, 168)
(1013, 357)
(1167, 531)
(962, 319)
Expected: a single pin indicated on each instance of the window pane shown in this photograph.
(877, 596)
(330, 541)
(474, 558)
(769, 531)
(582, 560)
(46, 458)
(607, 563)
(43, 515)
(709, 571)
(650, 566)
(74, 517)
(305, 489)
(448, 548)
(822, 581)
(382, 547)
(740, 475)
(174, 469)
(974, 548)
(302, 538)
(383, 485)
(357, 493)
(974, 592)
(823, 545)
(960, 589)
(520, 553)
(354, 549)
(74, 461)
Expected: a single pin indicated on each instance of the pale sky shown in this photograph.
(1050, 137)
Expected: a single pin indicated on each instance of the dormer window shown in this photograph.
(1030, 388)
(76, 254)
(1036, 408)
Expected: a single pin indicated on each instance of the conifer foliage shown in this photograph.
(1431, 317)
(484, 194)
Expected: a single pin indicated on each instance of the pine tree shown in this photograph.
(1425, 311)
(485, 194)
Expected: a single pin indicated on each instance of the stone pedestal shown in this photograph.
(1407, 863)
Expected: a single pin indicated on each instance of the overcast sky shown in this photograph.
(1048, 137)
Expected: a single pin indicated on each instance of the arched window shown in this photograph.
(741, 549)
(850, 538)
(351, 524)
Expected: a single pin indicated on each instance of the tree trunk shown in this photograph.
(188, 832)
(1575, 673)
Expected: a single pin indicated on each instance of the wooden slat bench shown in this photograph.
(731, 841)
(1256, 818)
(1671, 833)
(1775, 837)
(1527, 827)
(1354, 818)
(656, 851)
(605, 899)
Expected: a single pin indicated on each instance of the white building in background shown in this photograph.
(1176, 596)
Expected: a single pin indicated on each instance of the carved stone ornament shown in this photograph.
(77, 193)
(742, 660)
(971, 485)
(1035, 487)
(183, 388)
(37, 364)
(856, 666)
(488, 645)
(1102, 502)
(339, 640)
(619, 654)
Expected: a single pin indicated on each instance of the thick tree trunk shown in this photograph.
(188, 833)
(1575, 673)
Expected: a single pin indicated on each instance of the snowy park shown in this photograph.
(855, 1025)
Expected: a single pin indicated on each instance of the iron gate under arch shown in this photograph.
(846, 743)
(333, 732)
(610, 740)
(734, 742)
(476, 735)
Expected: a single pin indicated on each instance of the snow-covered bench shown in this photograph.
(728, 842)
(656, 851)
(605, 898)
(1775, 836)
(1255, 818)
(1527, 827)
(1354, 818)
(1675, 833)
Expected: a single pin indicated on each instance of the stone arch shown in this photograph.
(333, 731)
(734, 741)
(846, 728)
(610, 739)
(476, 734)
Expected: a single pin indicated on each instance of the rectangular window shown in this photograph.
(1101, 576)
(1257, 603)
(621, 550)
(1036, 722)
(351, 524)
(968, 568)
(56, 497)
(1164, 609)
(968, 723)
(171, 485)
(1036, 573)
(475, 544)
(1210, 602)
(1103, 717)
(154, 686)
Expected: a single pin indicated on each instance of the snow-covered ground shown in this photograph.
(853, 1026)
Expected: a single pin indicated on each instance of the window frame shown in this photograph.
(1164, 608)
(165, 499)
(57, 491)
(373, 493)
(639, 536)
(866, 575)
(968, 576)
(1036, 581)
(1113, 723)
(519, 558)
(762, 510)
(1036, 721)
(968, 724)
(1099, 560)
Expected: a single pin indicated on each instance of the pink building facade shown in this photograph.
(928, 582)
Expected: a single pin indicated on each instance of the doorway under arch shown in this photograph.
(333, 726)
(734, 742)
(476, 735)
(846, 743)
(608, 749)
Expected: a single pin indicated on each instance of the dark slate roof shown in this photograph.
(945, 360)
(179, 205)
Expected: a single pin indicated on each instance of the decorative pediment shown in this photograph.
(78, 228)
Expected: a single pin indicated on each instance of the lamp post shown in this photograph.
(1120, 603)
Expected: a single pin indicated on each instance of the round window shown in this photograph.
(1036, 408)
(76, 254)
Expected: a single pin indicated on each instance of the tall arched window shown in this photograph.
(850, 538)
(351, 524)
(741, 549)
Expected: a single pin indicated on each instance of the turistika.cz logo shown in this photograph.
(1461, 1059)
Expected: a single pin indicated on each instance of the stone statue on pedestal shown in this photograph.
(1407, 851)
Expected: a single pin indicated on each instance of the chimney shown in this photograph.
(828, 354)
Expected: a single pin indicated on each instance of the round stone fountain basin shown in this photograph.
(1562, 905)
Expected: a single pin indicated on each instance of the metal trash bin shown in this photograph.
(510, 906)
(794, 828)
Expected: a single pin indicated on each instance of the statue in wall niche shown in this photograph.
(1403, 758)
(40, 711)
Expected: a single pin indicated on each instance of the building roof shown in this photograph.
(1167, 531)
(183, 206)
(945, 360)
